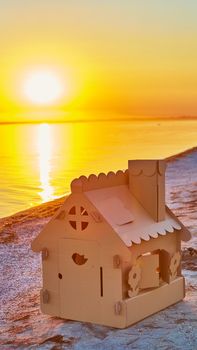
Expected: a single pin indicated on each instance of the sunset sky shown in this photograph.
(123, 56)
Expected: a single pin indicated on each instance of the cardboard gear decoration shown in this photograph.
(111, 254)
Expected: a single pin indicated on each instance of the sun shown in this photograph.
(43, 87)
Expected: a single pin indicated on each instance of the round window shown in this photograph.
(78, 218)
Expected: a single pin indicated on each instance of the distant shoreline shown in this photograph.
(181, 154)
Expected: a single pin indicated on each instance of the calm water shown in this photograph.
(39, 161)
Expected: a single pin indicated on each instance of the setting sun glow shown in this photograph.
(43, 87)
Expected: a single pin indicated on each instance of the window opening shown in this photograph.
(78, 218)
(83, 211)
(72, 211)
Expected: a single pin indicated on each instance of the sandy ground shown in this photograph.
(23, 326)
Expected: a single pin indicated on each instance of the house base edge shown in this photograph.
(149, 303)
(134, 309)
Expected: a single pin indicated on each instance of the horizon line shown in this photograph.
(86, 120)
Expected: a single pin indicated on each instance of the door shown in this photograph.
(79, 280)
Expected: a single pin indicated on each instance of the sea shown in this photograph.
(39, 161)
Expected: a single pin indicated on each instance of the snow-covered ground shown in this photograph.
(23, 326)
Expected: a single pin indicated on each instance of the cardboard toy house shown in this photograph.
(111, 254)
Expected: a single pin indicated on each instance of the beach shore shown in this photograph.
(23, 326)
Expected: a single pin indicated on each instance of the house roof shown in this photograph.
(111, 197)
(127, 217)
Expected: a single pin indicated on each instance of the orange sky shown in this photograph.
(123, 56)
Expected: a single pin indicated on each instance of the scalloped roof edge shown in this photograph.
(93, 182)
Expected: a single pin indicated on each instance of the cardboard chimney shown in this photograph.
(147, 184)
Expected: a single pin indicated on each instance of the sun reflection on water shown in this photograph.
(44, 144)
